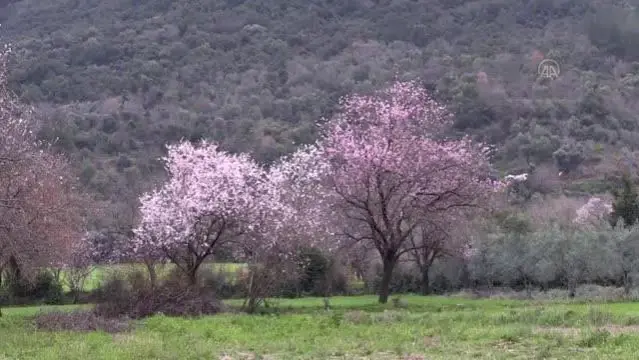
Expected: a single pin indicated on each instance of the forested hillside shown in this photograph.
(115, 80)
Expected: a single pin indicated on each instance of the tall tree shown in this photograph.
(392, 169)
(212, 199)
(433, 240)
(41, 209)
(626, 203)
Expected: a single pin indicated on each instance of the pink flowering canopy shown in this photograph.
(392, 170)
(594, 212)
(40, 207)
(304, 217)
(384, 152)
(212, 198)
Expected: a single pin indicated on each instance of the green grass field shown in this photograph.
(101, 273)
(355, 328)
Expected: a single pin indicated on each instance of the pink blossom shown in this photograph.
(593, 212)
(212, 199)
(391, 170)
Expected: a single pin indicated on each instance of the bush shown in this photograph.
(79, 321)
(320, 276)
(404, 280)
(134, 297)
(44, 289)
(223, 286)
(316, 268)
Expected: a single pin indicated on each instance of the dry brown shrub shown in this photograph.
(80, 320)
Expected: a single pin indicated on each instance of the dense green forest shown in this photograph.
(115, 80)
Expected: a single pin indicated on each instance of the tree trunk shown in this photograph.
(384, 290)
(528, 287)
(425, 285)
(252, 305)
(572, 289)
(626, 283)
(153, 277)
(253, 300)
(193, 277)
(14, 268)
(57, 274)
(76, 296)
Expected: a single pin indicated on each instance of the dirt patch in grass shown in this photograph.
(567, 331)
(431, 341)
(620, 329)
(375, 356)
(80, 320)
(571, 331)
(505, 345)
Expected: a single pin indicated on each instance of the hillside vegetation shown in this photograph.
(115, 80)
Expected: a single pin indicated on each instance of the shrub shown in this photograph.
(134, 297)
(399, 303)
(404, 280)
(44, 288)
(79, 321)
(388, 316)
(221, 284)
(357, 317)
(320, 275)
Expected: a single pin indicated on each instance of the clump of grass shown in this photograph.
(630, 320)
(357, 317)
(517, 316)
(400, 303)
(557, 317)
(515, 335)
(598, 317)
(544, 353)
(595, 338)
(414, 357)
(327, 303)
(388, 316)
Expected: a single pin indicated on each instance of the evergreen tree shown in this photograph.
(626, 204)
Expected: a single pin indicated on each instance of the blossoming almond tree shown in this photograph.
(212, 199)
(40, 206)
(392, 170)
(594, 213)
(293, 216)
(303, 204)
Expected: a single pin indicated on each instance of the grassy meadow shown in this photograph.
(354, 328)
(101, 273)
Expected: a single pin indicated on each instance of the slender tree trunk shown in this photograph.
(15, 270)
(57, 274)
(572, 288)
(153, 277)
(253, 303)
(425, 285)
(253, 299)
(76, 295)
(528, 288)
(249, 292)
(384, 290)
(626, 283)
